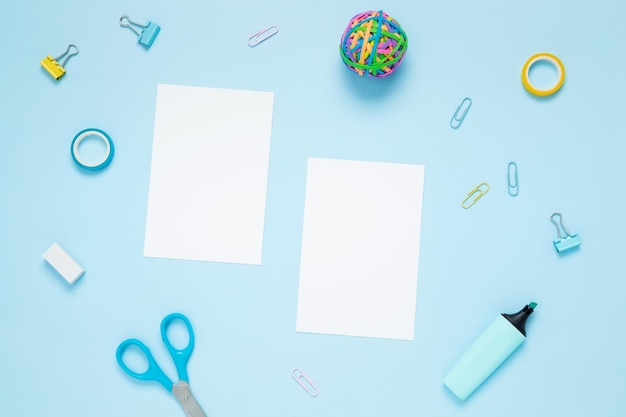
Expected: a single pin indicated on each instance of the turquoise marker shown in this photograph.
(492, 348)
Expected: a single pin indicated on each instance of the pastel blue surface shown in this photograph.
(59, 341)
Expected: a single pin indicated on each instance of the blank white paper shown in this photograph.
(360, 248)
(208, 177)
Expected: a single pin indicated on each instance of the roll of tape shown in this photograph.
(83, 134)
(552, 59)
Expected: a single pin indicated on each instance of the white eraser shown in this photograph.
(63, 263)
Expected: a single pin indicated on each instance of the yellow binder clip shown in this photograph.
(52, 65)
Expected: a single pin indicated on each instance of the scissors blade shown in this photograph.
(184, 396)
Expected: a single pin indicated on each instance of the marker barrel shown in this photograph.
(487, 353)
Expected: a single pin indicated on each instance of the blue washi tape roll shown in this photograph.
(83, 134)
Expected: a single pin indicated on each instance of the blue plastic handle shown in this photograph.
(180, 356)
(153, 373)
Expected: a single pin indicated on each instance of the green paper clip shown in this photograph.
(475, 195)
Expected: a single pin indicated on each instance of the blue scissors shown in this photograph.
(180, 390)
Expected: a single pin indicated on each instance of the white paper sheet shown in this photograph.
(360, 248)
(208, 178)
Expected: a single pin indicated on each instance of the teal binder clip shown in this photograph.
(564, 242)
(146, 33)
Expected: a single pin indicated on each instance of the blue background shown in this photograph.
(58, 341)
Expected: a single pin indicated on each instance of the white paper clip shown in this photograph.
(512, 182)
(305, 382)
(262, 35)
(148, 33)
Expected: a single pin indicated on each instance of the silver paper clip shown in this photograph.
(459, 116)
(511, 179)
(262, 35)
(475, 195)
(305, 382)
(563, 242)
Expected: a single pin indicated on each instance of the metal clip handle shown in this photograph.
(559, 225)
(130, 24)
(67, 54)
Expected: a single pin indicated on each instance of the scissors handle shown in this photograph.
(153, 373)
(179, 356)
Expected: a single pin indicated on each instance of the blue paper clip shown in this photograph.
(563, 242)
(511, 179)
(458, 116)
(148, 32)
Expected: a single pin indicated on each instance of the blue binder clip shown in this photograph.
(565, 242)
(147, 33)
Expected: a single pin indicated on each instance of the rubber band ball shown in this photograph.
(373, 44)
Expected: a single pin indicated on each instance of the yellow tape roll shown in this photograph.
(558, 65)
